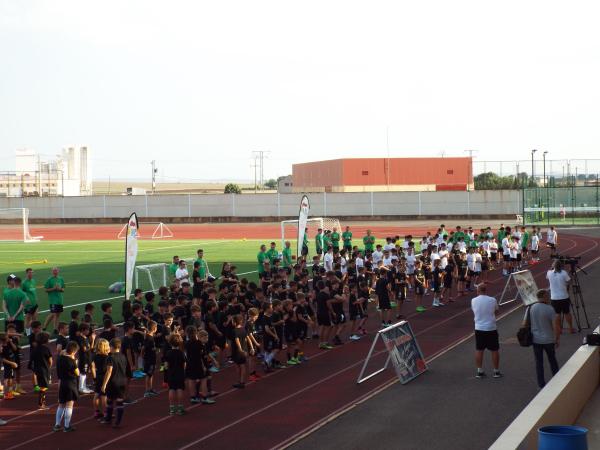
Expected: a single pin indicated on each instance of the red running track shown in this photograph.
(185, 231)
(268, 413)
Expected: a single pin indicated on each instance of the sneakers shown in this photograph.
(56, 428)
(68, 429)
(128, 401)
(239, 385)
(20, 390)
(105, 421)
(303, 358)
(420, 309)
(181, 411)
(293, 362)
(9, 395)
(36, 388)
(148, 394)
(3, 422)
(195, 400)
(497, 374)
(480, 375)
(172, 410)
(354, 337)
(208, 401)
(253, 378)
(213, 369)
(43, 407)
(325, 346)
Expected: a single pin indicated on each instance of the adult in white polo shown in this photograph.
(559, 295)
(485, 309)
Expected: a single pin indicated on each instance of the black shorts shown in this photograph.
(195, 373)
(447, 282)
(487, 340)
(494, 256)
(304, 250)
(561, 306)
(348, 247)
(9, 372)
(31, 309)
(436, 288)
(323, 319)
(239, 358)
(56, 309)
(419, 289)
(98, 385)
(301, 331)
(19, 325)
(384, 303)
(67, 392)
(319, 251)
(114, 392)
(176, 383)
(550, 245)
(149, 368)
(339, 318)
(356, 313)
(519, 257)
(291, 334)
(43, 378)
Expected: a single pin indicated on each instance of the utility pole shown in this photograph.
(154, 170)
(260, 156)
(255, 165)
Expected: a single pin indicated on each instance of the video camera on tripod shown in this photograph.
(573, 263)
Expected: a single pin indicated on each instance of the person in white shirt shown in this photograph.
(343, 262)
(387, 259)
(411, 261)
(506, 254)
(474, 267)
(559, 295)
(552, 241)
(328, 259)
(535, 247)
(493, 251)
(388, 244)
(485, 309)
(377, 255)
(359, 261)
(181, 274)
(443, 254)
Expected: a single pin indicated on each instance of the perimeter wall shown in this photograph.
(244, 207)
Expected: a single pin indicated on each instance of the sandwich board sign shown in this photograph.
(519, 284)
(403, 352)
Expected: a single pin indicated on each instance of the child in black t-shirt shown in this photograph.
(36, 328)
(239, 350)
(108, 331)
(106, 308)
(41, 357)
(149, 358)
(84, 356)
(74, 324)
(88, 315)
(9, 364)
(175, 370)
(98, 370)
(63, 337)
(254, 339)
(67, 373)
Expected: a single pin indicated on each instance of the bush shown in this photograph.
(232, 188)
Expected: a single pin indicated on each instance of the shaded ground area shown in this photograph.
(448, 404)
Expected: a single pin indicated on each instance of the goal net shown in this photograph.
(289, 229)
(159, 231)
(150, 277)
(19, 231)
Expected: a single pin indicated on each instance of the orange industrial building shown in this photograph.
(384, 174)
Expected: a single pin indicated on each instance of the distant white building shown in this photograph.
(285, 185)
(68, 175)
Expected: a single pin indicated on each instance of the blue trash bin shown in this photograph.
(562, 437)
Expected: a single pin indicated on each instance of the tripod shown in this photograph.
(578, 302)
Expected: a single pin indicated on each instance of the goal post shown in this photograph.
(150, 277)
(19, 217)
(289, 228)
(159, 231)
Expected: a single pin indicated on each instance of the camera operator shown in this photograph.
(559, 295)
(545, 335)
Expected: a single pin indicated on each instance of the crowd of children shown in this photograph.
(189, 331)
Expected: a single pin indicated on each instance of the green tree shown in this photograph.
(232, 188)
(271, 183)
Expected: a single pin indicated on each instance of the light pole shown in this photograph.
(544, 156)
(532, 168)
(546, 188)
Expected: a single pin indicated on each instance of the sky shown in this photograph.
(199, 85)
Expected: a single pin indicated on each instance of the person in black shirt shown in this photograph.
(35, 329)
(62, 338)
(437, 277)
(277, 323)
(128, 352)
(109, 331)
(98, 370)
(449, 275)
(196, 369)
(339, 317)
(149, 358)
(106, 311)
(383, 289)
(74, 324)
(41, 358)
(324, 312)
(114, 384)
(84, 356)
(67, 372)
(239, 350)
(175, 369)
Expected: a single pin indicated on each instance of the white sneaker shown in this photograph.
(354, 337)
(86, 391)
(3, 422)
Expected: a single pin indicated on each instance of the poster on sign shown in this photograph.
(519, 284)
(403, 352)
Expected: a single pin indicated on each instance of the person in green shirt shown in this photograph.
(524, 243)
(13, 305)
(319, 242)
(261, 257)
(369, 241)
(305, 244)
(347, 238)
(173, 267)
(335, 240)
(272, 253)
(326, 240)
(54, 286)
(202, 265)
(287, 256)
(442, 230)
(31, 307)
(459, 234)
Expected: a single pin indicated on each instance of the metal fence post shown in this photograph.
(189, 205)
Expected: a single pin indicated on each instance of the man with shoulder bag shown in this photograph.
(545, 337)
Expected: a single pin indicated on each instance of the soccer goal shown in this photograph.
(159, 231)
(150, 277)
(289, 228)
(20, 218)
